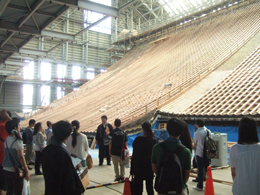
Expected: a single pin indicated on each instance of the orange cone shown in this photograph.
(209, 189)
(127, 189)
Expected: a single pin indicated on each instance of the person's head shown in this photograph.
(5, 115)
(147, 130)
(247, 131)
(37, 128)
(104, 119)
(200, 123)
(75, 127)
(174, 127)
(12, 128)
(32, 123)
(117, 123)
(49, 124)
(185, 137)
(61, 131)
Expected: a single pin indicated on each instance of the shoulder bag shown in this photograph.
(19, 171)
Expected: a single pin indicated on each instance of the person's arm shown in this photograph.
(23, 163)
(187, 175)
(154, 168)
(110, 147)
(86, 146)
(126, 139)
(233, 173)
(97, 135)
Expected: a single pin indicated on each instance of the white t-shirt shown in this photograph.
(18, 145)
(246, 160)
(199, 139)
(81, 147)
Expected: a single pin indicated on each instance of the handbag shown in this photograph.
(89, 162)
(132, 184)
(19, 171)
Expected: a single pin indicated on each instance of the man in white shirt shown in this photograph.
(202, 161)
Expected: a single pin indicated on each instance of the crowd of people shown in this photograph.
(169, 162)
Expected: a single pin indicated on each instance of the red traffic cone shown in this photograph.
(127, 189)
(209, 189)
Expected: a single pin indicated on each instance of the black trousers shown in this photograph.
(14, 185)
(104, 153)
(37, 162)
(138, 186)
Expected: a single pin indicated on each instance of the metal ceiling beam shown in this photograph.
(32, 31)
(58, 35)
(33, 10)
(11, 49)
(90, 5)
(22, 8)
(33, 52)
(7, 39)
(3, 5)
(16, 63)
(123, 7)
(7, 72)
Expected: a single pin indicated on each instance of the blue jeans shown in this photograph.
(201, 167)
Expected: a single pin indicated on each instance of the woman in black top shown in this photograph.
(141, 167)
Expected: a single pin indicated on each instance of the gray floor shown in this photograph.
(105, 174)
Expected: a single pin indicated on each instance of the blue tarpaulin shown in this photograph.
(231, 131)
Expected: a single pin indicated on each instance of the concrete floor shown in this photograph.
(105, 174)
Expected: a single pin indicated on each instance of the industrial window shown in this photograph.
(28, 70)
(45, 95)
(91, 17)
(61, 72)
(76, 72)
(90, 73)
(60, 92)
(27, 96)
(102, 70)
(45, 71)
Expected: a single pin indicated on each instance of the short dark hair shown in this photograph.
(48, 123)
(31, 122)
(9, 113)
(104, 116)
(10, 125)
(117, 122)
(247, 131)
(200, 123)
(175, 127)
(61, 130)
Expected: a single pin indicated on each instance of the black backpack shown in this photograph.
(24, 137)
(169, 176)
(210, 147)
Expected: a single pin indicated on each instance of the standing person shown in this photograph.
(102, 139)
(39, 139)
(59, 173)
(14, 154)
(118, 140)
(29, 142)
(77, 143)
(48, 131)
(185, 137)
(141, 166)
(4, 117)
(244, 159)
(173, 143)
(201, 158)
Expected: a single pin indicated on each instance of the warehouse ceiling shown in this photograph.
(24, 20)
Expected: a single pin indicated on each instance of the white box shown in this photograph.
(221, 158)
